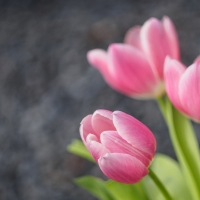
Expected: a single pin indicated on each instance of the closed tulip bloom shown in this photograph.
(136, 67)
(183, 86)
(122, 146)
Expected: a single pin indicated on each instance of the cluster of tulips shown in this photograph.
(146, 66)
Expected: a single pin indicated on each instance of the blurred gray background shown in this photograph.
(47, 86)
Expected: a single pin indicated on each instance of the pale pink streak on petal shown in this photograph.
(95, 148)
(102, 121)
(86, 127)
(123, 168)
(189, 91)
(132, 37)
(173, 71)
(129, 65)
(99, 59)
(154, 44)
(134, 132)
(116, 144)
(171, 37)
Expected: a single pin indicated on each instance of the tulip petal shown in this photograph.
(86, 127)
(102, 121)
(130, 67)
(132, 37)
(116, 144)
(95, 148)
(123, 168)
(172, 38)
(173, 71)
(99, 59)
(154, 44)
(189, 91)
(135, 133)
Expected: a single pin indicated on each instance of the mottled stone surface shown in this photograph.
(47, 86)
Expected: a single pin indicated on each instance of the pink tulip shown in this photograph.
(183, 86)
(136, 68)
(121, 145)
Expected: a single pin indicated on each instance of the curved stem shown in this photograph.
(159, 184)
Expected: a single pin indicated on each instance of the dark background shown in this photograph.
(47, 86)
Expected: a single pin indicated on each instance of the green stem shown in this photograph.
(159, 184)
(184, 143)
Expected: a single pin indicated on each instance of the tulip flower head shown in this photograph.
(136, 67)
(183, 86)
(122, 146)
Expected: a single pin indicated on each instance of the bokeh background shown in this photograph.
(47, 86)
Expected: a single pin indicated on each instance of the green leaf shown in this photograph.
(126, 192)
(95, 186)
(77, 147)
(170, 175)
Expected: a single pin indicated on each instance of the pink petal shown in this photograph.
(154, 43)
(189, 91)
(172, 38)
(95, 148)
(123, 168)
(116, 144)
(86, 128)
(102, 121)
(132, 37)
(99, 59)
(130, 67)
(135, 133)
(173, 73)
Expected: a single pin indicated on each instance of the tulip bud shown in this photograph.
(122, 146)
